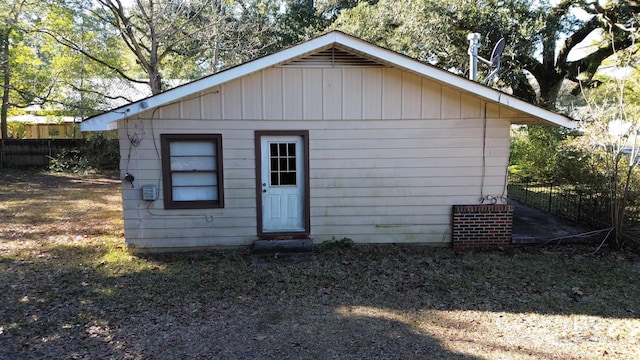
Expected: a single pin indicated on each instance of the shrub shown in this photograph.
(96, 153)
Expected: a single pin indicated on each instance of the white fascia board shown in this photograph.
(104, 120)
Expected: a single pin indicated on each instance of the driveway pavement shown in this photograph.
(534, 226)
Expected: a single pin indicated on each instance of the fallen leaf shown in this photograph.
(577, 291)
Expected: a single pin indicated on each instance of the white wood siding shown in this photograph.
(390, 153)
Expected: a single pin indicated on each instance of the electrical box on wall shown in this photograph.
(149, 192)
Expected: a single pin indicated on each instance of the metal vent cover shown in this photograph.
(333, 57)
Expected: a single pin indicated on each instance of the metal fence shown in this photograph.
(579, 204)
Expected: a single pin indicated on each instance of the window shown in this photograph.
(283, 164)
(192, 171)
(54, 130)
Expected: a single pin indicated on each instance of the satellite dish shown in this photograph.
(497, 53)
(494, 63)
(495, 60)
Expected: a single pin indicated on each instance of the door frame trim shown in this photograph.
(304, 134)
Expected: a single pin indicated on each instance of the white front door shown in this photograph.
(282, 183)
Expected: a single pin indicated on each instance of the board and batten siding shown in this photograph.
(390, 153)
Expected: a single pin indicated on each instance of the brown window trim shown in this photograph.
(165, 140)
(304, 134)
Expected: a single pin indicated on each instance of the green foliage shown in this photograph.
(17, 130)
(536, 152)
(23, 60)
(70, 161)
(436, 31)
(579, 166)
(96, 153)
(569, 160)
(69, 30)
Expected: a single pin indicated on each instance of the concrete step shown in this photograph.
(283, 246)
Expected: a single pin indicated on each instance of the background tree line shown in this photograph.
(65, 56)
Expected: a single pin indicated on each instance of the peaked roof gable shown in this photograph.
(333, 48)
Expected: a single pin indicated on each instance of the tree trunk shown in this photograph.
(4, 42)
(155, 81)
(549, 90)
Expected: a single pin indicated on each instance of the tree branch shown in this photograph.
(575, 39)
(69, 44)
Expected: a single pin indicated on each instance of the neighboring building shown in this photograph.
(32, 126)
(333, 138)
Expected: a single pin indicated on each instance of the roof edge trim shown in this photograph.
(103, 121)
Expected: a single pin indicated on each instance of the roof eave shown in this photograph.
(464, 84)
(101, 121)
(105, 121)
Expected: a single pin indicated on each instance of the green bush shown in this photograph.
(69, 161)
(96, 153)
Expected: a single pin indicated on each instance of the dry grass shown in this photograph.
(70, 290)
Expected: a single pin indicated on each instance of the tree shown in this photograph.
(24, 60)
(247, 31)
(300, 21)
(611, 139)
(602, 158)
(82, 86)
(184, 38)
(10, 13)
(540, 36)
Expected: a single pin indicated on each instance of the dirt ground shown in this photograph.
(70, 290)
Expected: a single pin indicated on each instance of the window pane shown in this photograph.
(283, 149)
(274, 164)
(273, 148)
(195, 179)
(283, 164)
(292, 149)
(192, 148)
(274, 178)
(288, 178)
(191, 163)
(292, 164)
(195, 193)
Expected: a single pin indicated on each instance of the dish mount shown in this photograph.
(494, 62)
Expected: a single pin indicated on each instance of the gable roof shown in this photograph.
(333, 48)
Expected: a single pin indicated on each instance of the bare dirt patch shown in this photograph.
(69, 289)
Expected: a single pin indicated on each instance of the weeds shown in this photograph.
(344, 243)
(94, 154)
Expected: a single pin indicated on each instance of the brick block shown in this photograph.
(481, 226)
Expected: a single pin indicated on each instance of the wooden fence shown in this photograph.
(34, 153)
